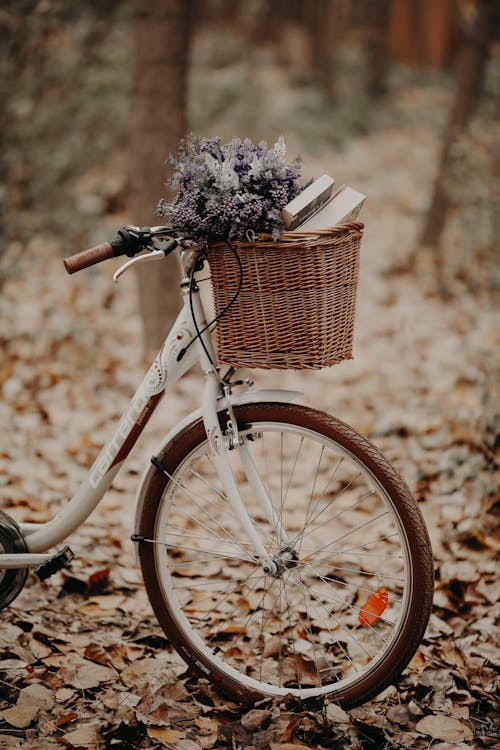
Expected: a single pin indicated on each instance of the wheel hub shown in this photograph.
(286, 559)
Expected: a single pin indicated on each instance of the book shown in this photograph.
(307, 202)
(344, 206)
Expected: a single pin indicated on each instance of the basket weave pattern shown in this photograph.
(297, 303)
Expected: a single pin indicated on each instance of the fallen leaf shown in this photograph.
(399, 714)
(187, 744)
(66, 718)
(20, 716)
(207, 732)
(12, 665)
(233, 630)
(96, 653)
(90, 676)
(446, 728)
(37, 695)
(165, 734)
(439, 680)
(102, 604)
(84, 736)
(254, 719)
(64, 694)
(273, 646)
(337, 715)
(9, 634)
(99, 581)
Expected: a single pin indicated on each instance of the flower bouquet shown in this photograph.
(226, 189)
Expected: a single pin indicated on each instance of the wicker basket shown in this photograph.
(297, 303)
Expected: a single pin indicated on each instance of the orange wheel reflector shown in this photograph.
(375, 605)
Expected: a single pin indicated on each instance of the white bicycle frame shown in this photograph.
(175, 358)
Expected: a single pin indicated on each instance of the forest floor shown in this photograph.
(84, 662)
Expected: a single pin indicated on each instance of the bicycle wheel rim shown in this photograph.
(342, 679)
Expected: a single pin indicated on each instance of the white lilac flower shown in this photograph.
(222, 172)
(226, 189)
(280, 148)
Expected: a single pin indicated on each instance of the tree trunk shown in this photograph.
(158, 120)
(377, 48)
(473, 64)
(322, 19)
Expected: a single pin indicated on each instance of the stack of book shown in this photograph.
(320, 207)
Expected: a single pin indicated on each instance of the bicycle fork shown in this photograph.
(220, 445)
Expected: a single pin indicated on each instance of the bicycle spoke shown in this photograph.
(200, 507)
(309, 520)
(356, 571)
(310, 510)
(290, 631)
(326, 627)
(174, 530)
(210, 617)
(218, 555)
(227, 616)
(339, 514)
(349, 632)
(214, 537)
(352, 607)
(309, 630)
(280, 680)
(251, 647)
(351, 550)
(311, 566)
(351, 531)
(216, 582)
(292, 472)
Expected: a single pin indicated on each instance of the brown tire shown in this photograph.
(348, 603)
(12, 580)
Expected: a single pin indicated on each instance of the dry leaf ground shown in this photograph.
(84, 664)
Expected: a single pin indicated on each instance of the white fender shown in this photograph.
(237, 399)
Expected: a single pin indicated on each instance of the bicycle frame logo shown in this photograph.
(130, 427)
(145, 400)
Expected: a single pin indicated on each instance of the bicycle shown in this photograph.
(281, 553)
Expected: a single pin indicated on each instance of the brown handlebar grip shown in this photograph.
(88, 257)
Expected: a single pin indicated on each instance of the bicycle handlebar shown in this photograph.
(88, 257)
(128, 240)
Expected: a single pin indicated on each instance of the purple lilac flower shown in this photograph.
(226, 189)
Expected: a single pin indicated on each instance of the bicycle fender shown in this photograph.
(237, 399)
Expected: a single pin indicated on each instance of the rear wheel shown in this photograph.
(345, 608)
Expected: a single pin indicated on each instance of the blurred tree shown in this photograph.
(421, 31)
(322, 18)
(369, 26)
(288, 23)
(158, 120)
(481, 30)
(377, 47)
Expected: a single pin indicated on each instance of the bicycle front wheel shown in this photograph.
(349, 598)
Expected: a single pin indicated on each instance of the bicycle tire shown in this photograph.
(218, 638)
(12, 580)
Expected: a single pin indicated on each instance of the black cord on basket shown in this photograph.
(219, 315)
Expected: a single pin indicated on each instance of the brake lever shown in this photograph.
(150, 255)
(157, 250)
